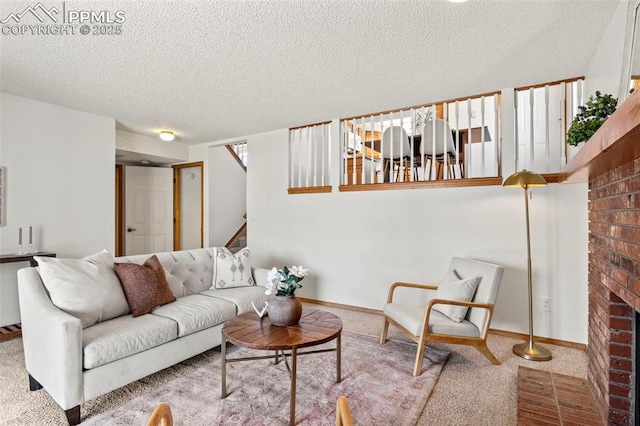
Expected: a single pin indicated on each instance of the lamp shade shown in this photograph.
(525, 179)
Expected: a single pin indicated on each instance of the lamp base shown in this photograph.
(529, 350)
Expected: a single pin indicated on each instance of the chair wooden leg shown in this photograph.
(484, 350)
(385, 329)
(417, 368)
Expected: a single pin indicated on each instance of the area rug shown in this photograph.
(376, 379)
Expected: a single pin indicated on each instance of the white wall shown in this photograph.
(60, 176)
(357, 243)
(146, 145)
(227, 201)
(605, 68)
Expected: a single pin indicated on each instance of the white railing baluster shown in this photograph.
(482, 126)
(345, 151)
(516, 135)
(469, 144)
(564, 103)
(412, 114)
(308, 141)
(530, 166)
(457, 141)
(371, 150)
(317, 142)
(445, 138)
(547, 121)
(291, 158)
(434, 174)
(362, 150)
(496, 135)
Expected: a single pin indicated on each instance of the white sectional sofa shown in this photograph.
(76, 364)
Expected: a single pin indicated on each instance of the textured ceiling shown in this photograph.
(215, 70)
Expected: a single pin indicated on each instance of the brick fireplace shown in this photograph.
(614, 290)
(610, 163)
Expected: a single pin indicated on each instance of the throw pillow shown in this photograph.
(144, 285)
(231, 270)
(451, 287)
(86, 288)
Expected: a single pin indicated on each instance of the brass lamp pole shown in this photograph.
(528, 350)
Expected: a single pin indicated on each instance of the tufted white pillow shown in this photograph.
(231, 270)
(86, 288)
(451, 287)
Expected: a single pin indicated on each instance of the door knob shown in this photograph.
(131, 229)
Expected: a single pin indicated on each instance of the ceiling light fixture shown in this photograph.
(167, 135)
(457, 1)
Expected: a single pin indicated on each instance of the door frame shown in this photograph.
(176, 201)
(119, 210)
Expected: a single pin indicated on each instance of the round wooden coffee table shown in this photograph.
(249, 331)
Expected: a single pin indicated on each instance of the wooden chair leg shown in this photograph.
(385, 329)
(484, 350)
(417, 368)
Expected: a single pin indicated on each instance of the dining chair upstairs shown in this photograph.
(437, 146)
(396, 151)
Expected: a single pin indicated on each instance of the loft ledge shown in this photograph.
(616, 143)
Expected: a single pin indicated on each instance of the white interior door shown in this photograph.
(148, 210)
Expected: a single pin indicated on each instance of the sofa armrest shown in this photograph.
(260, 275)
(52, 341)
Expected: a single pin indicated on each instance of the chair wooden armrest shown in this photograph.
(409, 285)
(432, 302)
(161, 415)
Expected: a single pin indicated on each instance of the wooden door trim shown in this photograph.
(119, 182)
(176, 201)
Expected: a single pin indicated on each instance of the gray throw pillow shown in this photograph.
(86, 288)
(452, 287)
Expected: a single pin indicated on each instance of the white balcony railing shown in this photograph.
(459, 139)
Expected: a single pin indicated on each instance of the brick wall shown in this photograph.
(614, 287)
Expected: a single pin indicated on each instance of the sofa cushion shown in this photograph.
(240, 296)
(86, 288)
(124, 336)
(195, 312)
(144, 285)
(231, 270)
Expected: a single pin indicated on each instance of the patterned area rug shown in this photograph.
(376, 379)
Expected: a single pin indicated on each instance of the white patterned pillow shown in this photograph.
(231, 270)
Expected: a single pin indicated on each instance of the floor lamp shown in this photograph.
(528, 350)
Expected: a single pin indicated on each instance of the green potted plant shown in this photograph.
(590, 118)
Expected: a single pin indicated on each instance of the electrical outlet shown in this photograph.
(546, 305)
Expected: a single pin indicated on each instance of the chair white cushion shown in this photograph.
(410, 318)
(231, 270)
(86, 288)
(451, 287)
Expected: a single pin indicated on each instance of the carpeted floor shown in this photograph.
(470, 390)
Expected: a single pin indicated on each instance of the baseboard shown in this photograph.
(540, 339)
(340, 305)
(504, 333)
